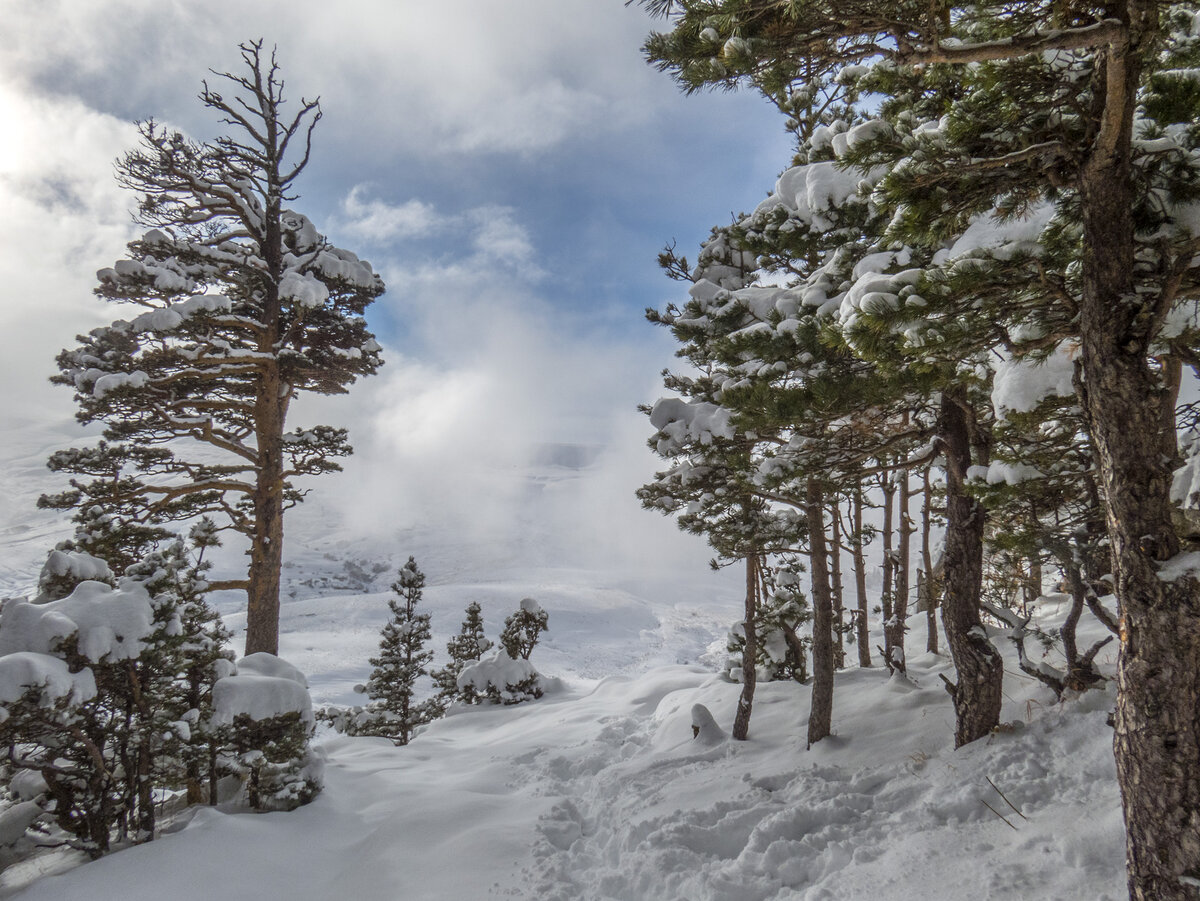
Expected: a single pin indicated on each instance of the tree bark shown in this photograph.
(931, 592)
(860, 579)
(977, 696)
(1157, 735)
(741, 722)
(270, 406)
(887, 485)
(820, 718)
(835, 575)
(898, 622)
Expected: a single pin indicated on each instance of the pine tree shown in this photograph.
(1046, 156)
(244, 306)
(402, 660)
(117, 708)
(466, 647)
(523, 629)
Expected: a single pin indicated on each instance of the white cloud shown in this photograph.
(496, 240)
(377, 221)
(476, 76)
(64, 217)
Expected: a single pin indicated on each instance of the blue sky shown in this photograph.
(512, 168)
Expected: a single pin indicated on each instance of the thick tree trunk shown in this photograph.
(976, 695)
(741, 722)
(1157, 737)
(860, 579)
(266, 547)
(835, 575)
(820, 720)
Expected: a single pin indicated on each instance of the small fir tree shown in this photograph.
(523, 628)
(401, 662)
(466, 647)
(506, 676)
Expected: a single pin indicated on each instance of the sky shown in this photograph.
(512, 169)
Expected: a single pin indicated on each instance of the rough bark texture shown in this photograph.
(860, 580)
(741, 722)
(976, 695)
(1157, 737)
(835, 576)
(820, 720)
(266, 549)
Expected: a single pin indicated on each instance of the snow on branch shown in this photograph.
(1107, 31)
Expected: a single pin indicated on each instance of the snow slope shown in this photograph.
(599, 791)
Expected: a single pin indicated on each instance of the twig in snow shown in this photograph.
(997, 813)
(1005, 797)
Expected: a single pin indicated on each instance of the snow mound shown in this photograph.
(23, 670)
(263, 687)
(109, 624)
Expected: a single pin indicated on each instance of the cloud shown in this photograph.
(416, 244)
(472, 77)
(64, 218)
(467, 150)
(376, 221)
(501, 419)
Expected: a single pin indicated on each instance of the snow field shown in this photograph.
(600, 793)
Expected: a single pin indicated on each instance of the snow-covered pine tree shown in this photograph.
(466, 647)
(1073, 130)
(395, 711)
(110, 523)
(523, 629)
(107, 693)
(506, 676)
(780, 650)
(239, 306)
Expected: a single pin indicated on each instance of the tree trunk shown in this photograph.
(888, 486)
(270, 406)
(1157, 736)
(977, 695)
(931, 592)
(897, 624)
(860, 578)
(820, 718)
(835, 574)
(266, 549)
(741, 723)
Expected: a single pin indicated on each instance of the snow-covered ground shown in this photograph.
(599, 791)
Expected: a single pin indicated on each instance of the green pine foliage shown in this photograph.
(394, 710)
(781, 648)
(523, 629)
(466, 647)
(117, 723)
